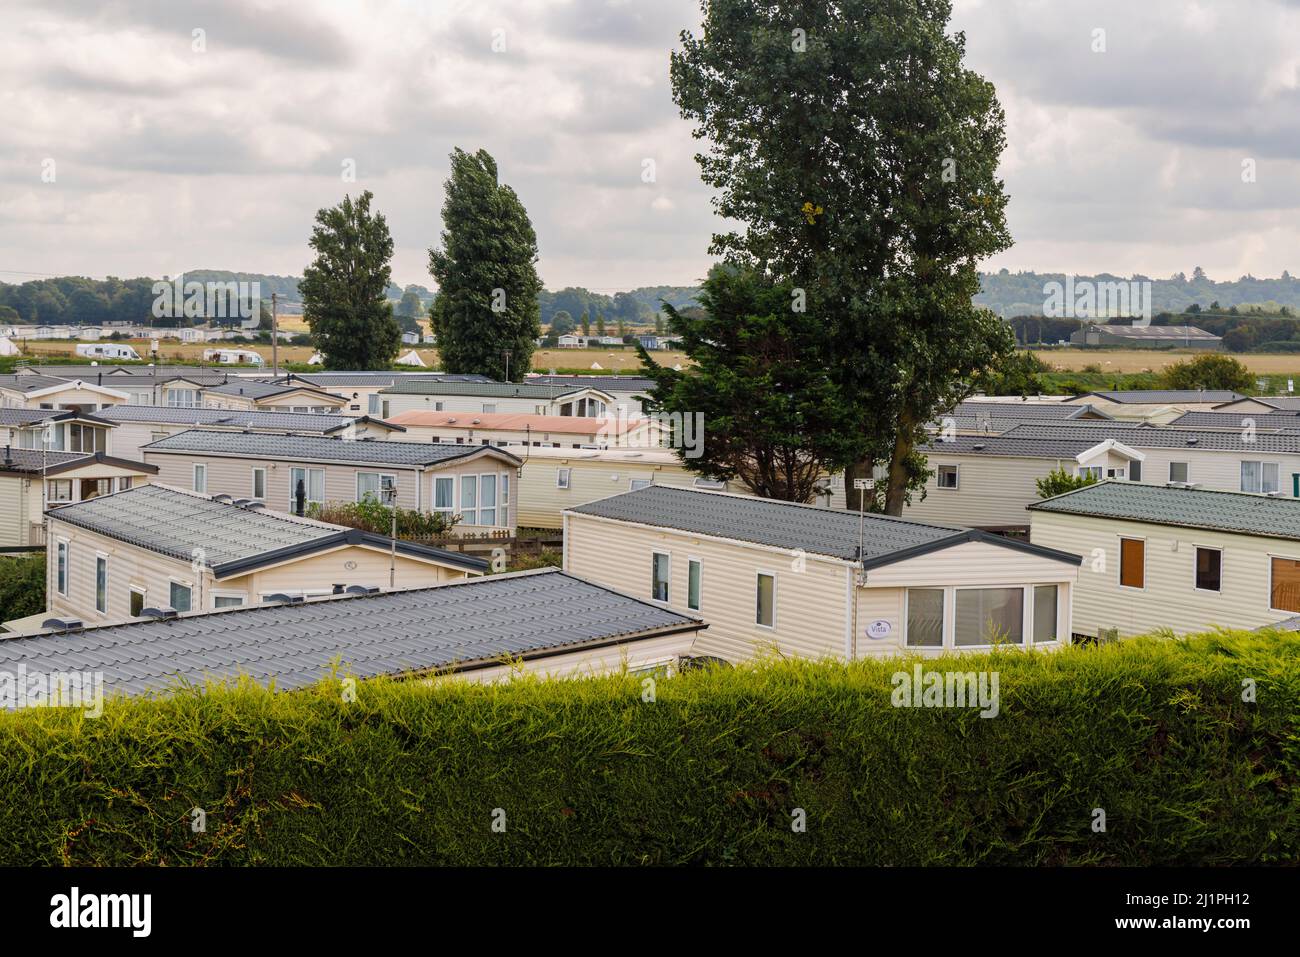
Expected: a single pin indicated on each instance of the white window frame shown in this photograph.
(758, 574)
(381, 476)
(1026, 615)
(101, 558)
(224, 593)
(697, 562)
(183, 584)
(308, 501)
(1032, 602)
(1097, 471)
(253, 490)
(563, 478)
(1212, 591)
(1119, 561)
(61, 578)
(632, 485)
(956, 478)
(496, 498)
(194, 477)
(433, 500)
(1262, 464)
(1187, 473)
(668, 579)
(943, 622)
(1284, 558)
(133, 589)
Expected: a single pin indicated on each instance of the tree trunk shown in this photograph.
(896, 490)
(853, 496)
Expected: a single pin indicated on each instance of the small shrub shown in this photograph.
(372, 516)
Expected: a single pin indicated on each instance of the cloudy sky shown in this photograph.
(168, 153)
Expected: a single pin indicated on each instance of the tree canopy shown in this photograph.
(486, 271)
(345, 289)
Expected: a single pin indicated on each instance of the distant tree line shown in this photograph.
(1268, 327)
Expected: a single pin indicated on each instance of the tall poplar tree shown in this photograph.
(860, 155)
(486, 272)
(345, 290)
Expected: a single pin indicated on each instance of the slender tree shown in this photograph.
(770, 408)
(486, 272)
(860, 155)
(345, 290)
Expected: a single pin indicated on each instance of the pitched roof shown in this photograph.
(1237, 420)
(515, 422)
(1273, 517)
(27, 382)
(121, 372)
(487, 390)
(287, 421)
(23, 417)
(230, 538)
(253, 389)
(1142, 436)
(605, 383)
(452, 626)
(34, 461)
(787, 525)
(370, 379)
(1162, 396)
(297, 448)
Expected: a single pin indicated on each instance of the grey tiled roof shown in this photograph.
(363, 379)
(175, 523)
(1286, 403)
(1187, 507)
(288, 421)
(27, 416)
(390, 633)
(787, 525)
(172, 522)
(29, 383)
(822, 531)
(488, 390)
(1001, 445)
(300, 448)
(111, 372)
(1156, 437)
(253, 389)
(1027, 410)
(1164, 396)
(30, 460)
(605, 383)
(1237, 420)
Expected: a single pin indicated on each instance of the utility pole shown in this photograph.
(506, 353)
(275, 335)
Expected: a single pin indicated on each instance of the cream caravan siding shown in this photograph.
(15, 519)
(127, 565)
(322, 572)
(992, 491)
(398, 402)
(541, 500)
(812, 605)
(152, 573)
(971, 564)
(70, 397)
(1169, 598)
(643, 653)
(1215, 470)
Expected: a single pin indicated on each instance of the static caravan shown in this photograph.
(485, 629)
(116, 555)
(294, 472)
(1184, 559)
(793, 580)
(107, 350)
(552, 479)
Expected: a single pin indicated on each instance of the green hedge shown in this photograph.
(1155, 732)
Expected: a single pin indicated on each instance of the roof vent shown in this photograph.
(476, 422)
(253, 506)
(452, 420)
(242, 502)
(978, 446)
(1193, 440)
(361, 590)
(283, 599)
(62, 624)
(161, 613)
(222, 497)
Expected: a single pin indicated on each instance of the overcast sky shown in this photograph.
(165, 158)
